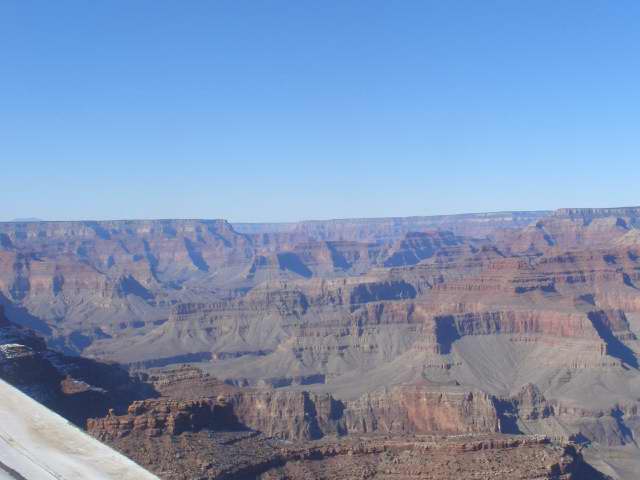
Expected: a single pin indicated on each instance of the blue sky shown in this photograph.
(274, 110)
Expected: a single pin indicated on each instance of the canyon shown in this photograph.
(187, 424)
(336, 349)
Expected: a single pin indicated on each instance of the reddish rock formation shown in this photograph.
(418, 409)
(304, 416)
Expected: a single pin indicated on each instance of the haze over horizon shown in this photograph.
(38, 219)
(284, 111)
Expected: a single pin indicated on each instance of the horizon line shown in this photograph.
(335, 219)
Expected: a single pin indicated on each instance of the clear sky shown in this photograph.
(259, 110)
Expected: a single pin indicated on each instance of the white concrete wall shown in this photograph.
(41, 445)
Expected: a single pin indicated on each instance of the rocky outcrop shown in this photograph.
(77, 388)
(235, 456)
(299, 415)
(418, 409)
(157, 417)
(286, 415)
(529, 458)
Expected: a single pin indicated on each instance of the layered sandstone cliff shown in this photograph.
(298, 415)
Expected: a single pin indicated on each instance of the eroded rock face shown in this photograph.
(295, 415)
(158, 417)
(77, 388)
(417, 409)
